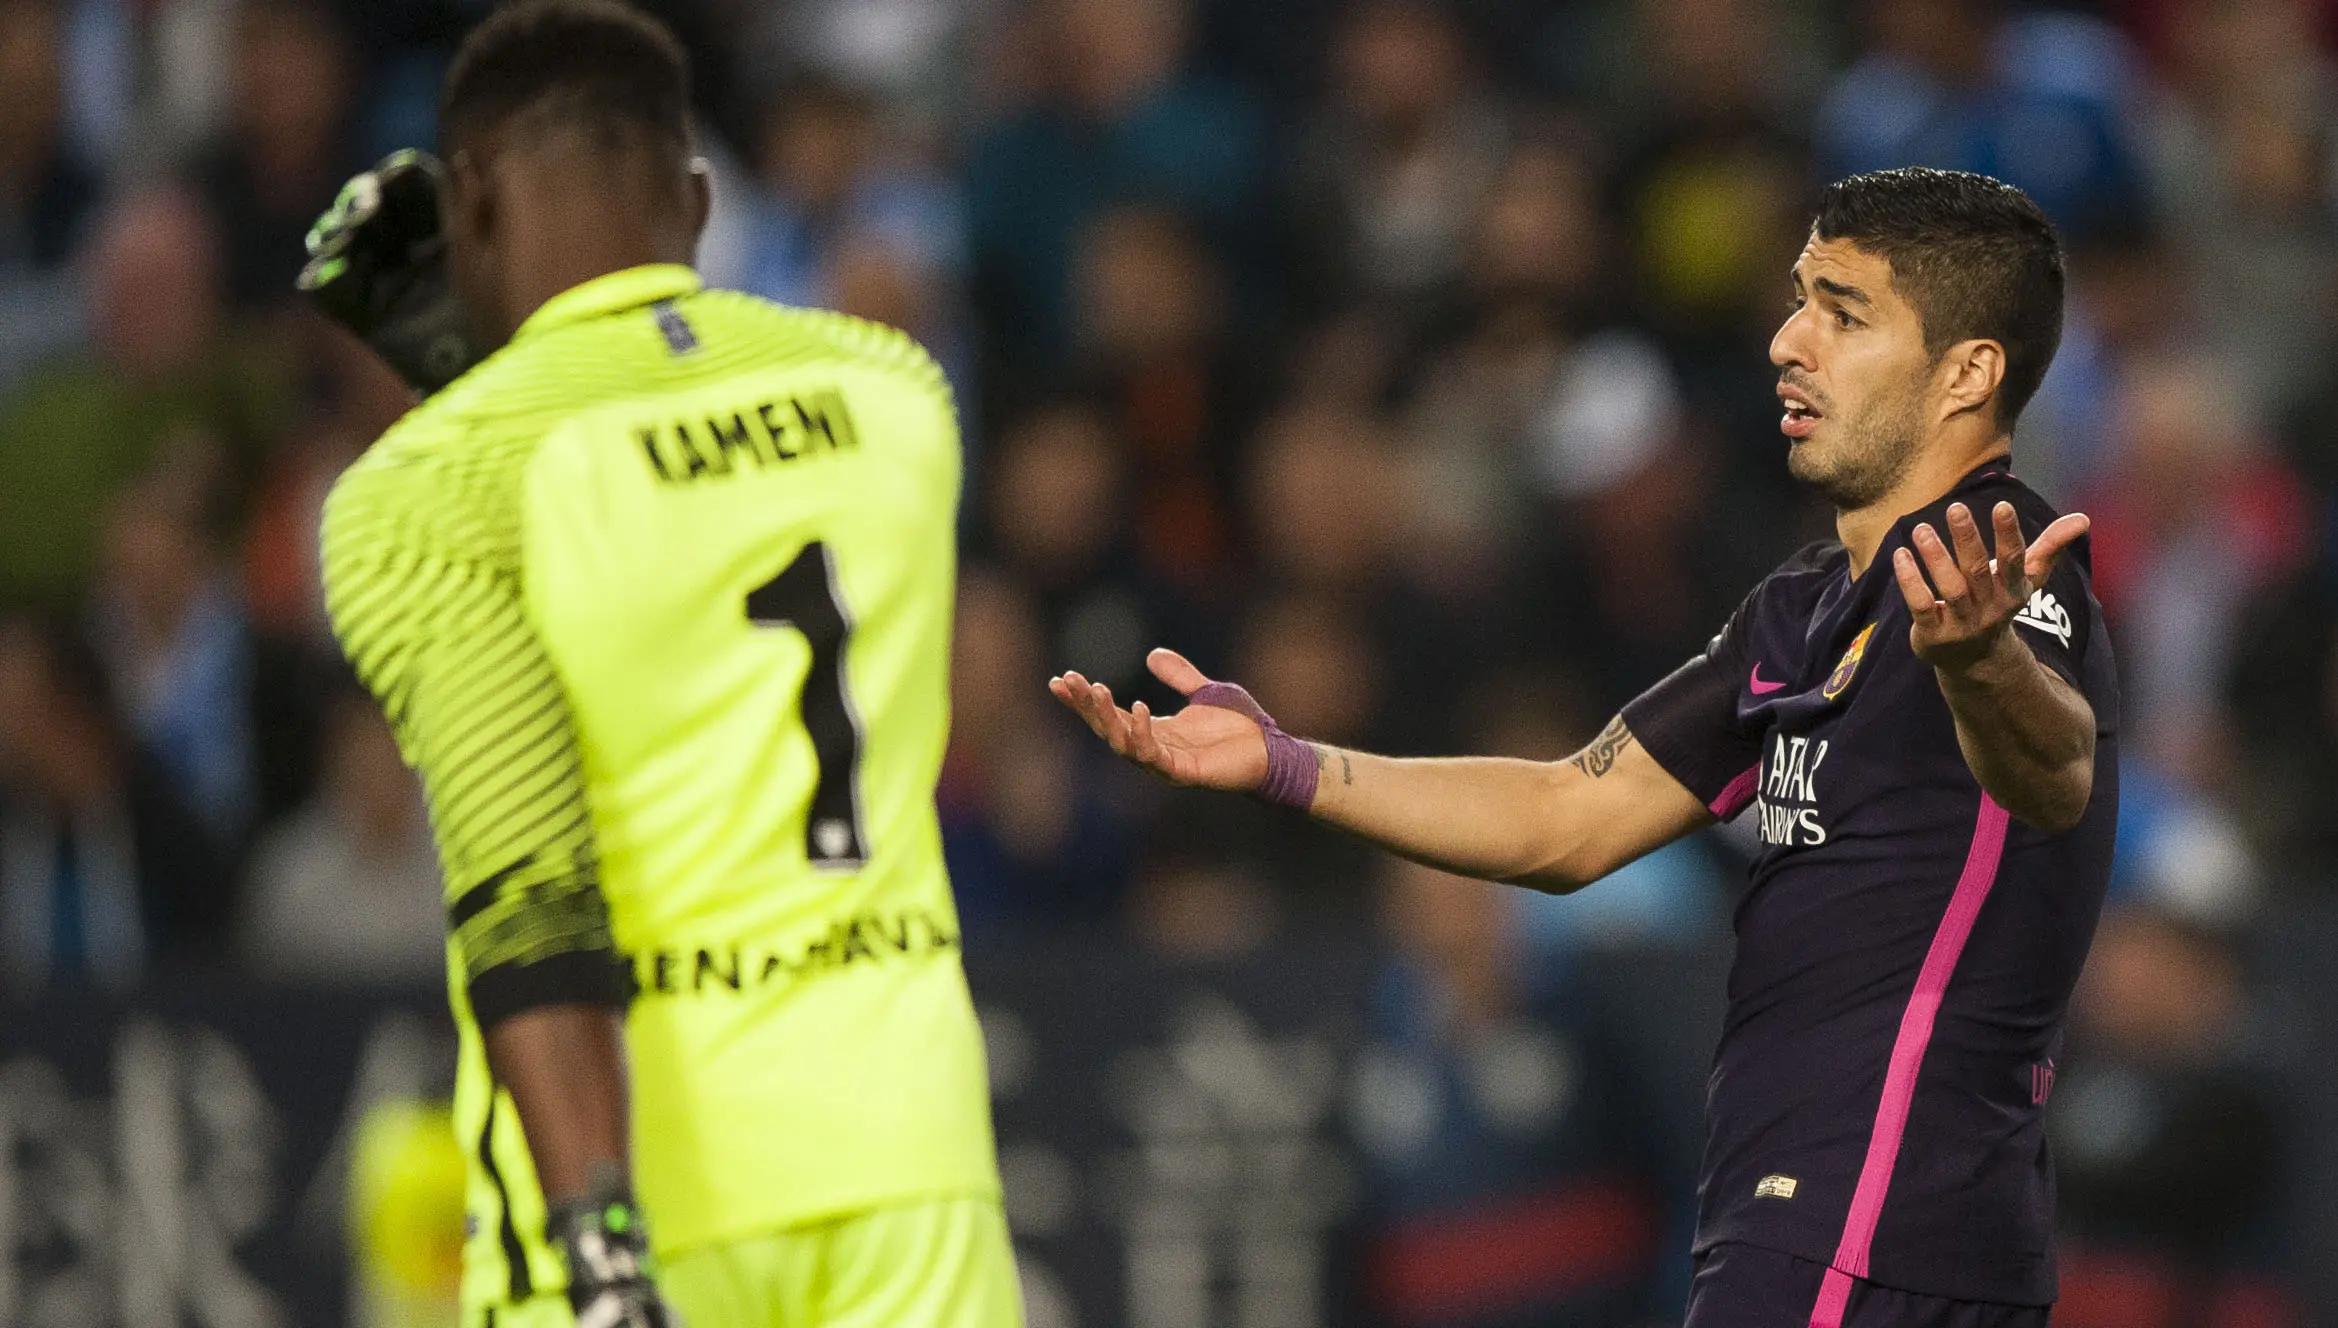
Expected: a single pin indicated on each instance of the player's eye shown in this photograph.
(1844, 319)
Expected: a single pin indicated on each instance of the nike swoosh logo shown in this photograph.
(1761, 688)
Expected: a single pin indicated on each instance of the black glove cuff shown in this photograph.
(602, 1236)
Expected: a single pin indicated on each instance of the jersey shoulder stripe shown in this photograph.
(579, 366)
(448, 476)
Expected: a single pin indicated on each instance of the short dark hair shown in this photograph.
(1974, 256)
(597, 65)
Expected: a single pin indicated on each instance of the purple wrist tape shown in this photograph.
(1291, 771)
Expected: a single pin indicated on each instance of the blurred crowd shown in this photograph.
(1404, 360)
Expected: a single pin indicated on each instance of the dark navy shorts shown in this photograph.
(1744, 1286)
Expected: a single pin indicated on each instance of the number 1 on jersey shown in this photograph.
(804, 597)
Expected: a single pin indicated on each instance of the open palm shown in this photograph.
(1204, 746)
(1972, 595)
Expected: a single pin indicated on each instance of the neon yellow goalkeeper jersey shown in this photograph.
(658, 599)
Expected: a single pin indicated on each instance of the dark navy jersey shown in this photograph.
(1905, 950)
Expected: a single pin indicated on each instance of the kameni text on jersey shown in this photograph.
(863, 938)
(770, 433)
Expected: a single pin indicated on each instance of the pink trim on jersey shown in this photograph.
(1834, 1296)
(1735, 795)
(1899, 1082)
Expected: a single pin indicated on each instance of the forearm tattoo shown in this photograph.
(1601, 756)
(1323, 755)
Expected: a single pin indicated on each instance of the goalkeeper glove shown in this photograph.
(377, 266)
(607, 1247)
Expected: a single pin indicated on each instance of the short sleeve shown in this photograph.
(2058, 619)
(479, 712)
(1689, 723)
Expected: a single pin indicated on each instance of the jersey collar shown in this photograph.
(628, 288)
(2000, 464)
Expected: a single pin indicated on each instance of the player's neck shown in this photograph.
(1936, 471)
(574, 233)
(563, 259)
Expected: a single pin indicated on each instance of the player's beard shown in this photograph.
(1870, 453)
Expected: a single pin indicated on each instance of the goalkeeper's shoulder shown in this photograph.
(428, 487)
(821, 335)
(447, 454)
(395, 467)
(372, 485)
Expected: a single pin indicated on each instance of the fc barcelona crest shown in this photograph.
(1849, 668)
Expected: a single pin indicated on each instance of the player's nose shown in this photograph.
(1792, 346)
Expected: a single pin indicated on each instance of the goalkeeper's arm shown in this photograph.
(564, 1066)
(480, 711)
(377, 266)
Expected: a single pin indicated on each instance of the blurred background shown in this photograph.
(1405, 360)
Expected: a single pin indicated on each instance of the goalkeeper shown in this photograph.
(655, 588)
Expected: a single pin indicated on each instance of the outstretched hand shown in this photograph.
(1966, 609)
(1206, 746)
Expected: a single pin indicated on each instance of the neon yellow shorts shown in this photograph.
(944, 1264)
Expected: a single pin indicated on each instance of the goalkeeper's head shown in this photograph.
(565, 125)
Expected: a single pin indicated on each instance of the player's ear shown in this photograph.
(468, 212)
(1971, 372)
(701, 196)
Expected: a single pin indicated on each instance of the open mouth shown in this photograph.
(1800, 418)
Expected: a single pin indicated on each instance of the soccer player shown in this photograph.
(657, 596)
(1922, 715)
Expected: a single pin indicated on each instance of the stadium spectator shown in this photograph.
(1315, 655)
(1710, 141)
(1715, 72)
(1509, 1168)
(1035, 832)
(2198, 507)
(353, 397)
(148, 81)
(1056, 519)
(1114, 118)
(170, 629)
(47, 193)
(917, 60)
(1388, 172)
(840, 213)
(2171, 1143)
(1491, 401)
(2127, 307)
(1537, 423)
(103, 871)
(1155, 345)
(1328, 522)
(2041, 98)
(346, 890)
(1201, 908)
(2247, 188)
(2283, 694)
(827, 176)
(285, 147)
(162, 358)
